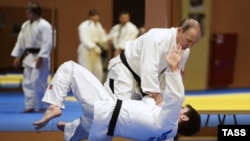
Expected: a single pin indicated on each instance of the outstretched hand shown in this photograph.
(174, 58)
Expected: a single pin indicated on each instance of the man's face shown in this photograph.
(188, 38)
(124, 18)
(31, 16)
(183, 116)
(95, 18)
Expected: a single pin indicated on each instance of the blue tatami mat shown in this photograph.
(11, 118)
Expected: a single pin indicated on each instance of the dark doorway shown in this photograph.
(222, 59)
(136, 8)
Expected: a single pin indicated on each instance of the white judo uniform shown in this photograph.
(120, 34)
(90, 34)
(139, 120)
(146, 57)
(154, 46)
(37, 35)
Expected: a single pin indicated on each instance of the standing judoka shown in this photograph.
(143, 60)
(105, 116)
(93, 40)
(35, 43)
(122, 32)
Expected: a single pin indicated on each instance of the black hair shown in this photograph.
(35, 8)
(93, 12)
(124, 12)
(193, 125)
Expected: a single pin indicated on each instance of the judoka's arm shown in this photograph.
(46, 46)
(185, 54)
(173, 95)
(18, 49)
(149, 67)
(55, 94)
(157, 97)
(84, 35)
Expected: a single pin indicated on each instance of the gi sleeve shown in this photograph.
(173, 97)
(149, 65)
(85, 37)
(19, 47)
(104, 37)
(46, 46)
(112, 32)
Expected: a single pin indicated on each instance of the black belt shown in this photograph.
(137, 78)
(114, 118)
(32, 50)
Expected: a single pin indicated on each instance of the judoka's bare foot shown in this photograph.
(52, 112)
(61, 125)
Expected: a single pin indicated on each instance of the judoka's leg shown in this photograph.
(29, 93)
(57, 90)
(39, 79)
(85, 86)
(87, 89)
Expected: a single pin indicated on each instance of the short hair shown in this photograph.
(193, 125)
(93, 12)
(124, 12)
(35, 8)
(189, 23)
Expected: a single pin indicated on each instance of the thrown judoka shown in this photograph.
(104, 116)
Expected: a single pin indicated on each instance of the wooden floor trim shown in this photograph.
(206, 134)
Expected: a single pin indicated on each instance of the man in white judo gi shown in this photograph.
(124, 31)
(93, 40)
(135, 72)
(105, 116)
(158, 42)
(35, 43)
